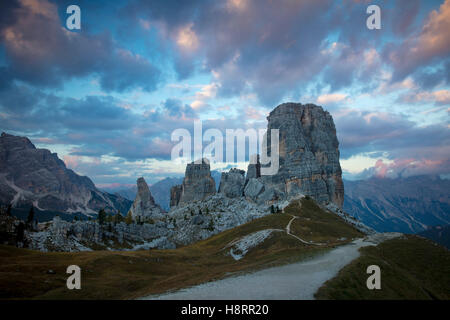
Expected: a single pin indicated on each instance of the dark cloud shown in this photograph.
(276, 48)
(40, 51)
(403, 16)
(98, 125)
(366, 132)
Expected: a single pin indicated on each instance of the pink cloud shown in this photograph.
(72, 162)
(408, 167)
(431, 42)
(437, 97)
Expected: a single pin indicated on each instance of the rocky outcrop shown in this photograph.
(232, 183)
(199, 220)
(253, 189)
(309, 153)
(60, 235)
(197, 183)
(31, 176)
(144, 205)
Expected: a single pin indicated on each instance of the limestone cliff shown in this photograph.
(309, 153)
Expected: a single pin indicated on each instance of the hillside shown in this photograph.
(407, 205)
(411, 268)
(24, 273)
(438, 234)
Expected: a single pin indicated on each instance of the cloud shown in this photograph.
(364, 132)
(187, 39)
(331, 98)
(403, 168)
(40, 51)
(439, 97)
(432, 42)
(176, 108)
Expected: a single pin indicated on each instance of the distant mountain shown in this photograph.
(406, 205)
(161, 191)
(216, 175)
(31, 176)
(128, 193)
(439, 234)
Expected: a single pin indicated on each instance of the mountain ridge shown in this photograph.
(406, 205)
(30, 176)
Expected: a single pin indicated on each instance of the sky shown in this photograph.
(107, 97)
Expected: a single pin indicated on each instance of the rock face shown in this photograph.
(254, 168)
(30, 176)
(144, 205)
(175, 195)
(232, 183)
(309, 153)
(197, 184)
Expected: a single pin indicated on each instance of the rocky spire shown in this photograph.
(144, 205)
(197, 184)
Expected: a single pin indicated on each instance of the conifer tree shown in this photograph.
(101, 216)
(20, 232)
(30, 217)
(129, 218)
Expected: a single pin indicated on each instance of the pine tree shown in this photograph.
(118, 218)
(101, 216)
(272, 209)
(8, 211)
(30, 217)
(129, 218)
(20, 232)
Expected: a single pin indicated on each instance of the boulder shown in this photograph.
(253, 189)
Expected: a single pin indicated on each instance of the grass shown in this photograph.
(312, 225)
(132, 274)
(411, 268)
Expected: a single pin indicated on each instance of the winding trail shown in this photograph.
(289, 282)
(288, 231)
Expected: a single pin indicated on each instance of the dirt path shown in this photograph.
(292, 282)
(288, 231)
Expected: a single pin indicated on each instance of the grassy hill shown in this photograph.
(125, 275)
(411, 268)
